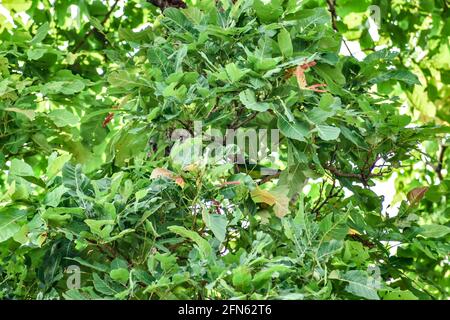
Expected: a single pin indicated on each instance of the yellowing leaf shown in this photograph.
(281, 207)
(263, 196)
(277, 198)
(353, 232)
(191, 167)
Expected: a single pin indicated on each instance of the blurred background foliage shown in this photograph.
(419, 31)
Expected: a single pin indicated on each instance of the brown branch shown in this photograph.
(94, 29)
(439, 167)
(365, 242)
(252, 116)
(332, 8)
(268, 178)
(319, 204)
(359, 176)
(164, 4)
(229, 183)
(105, 249)
(320, 196)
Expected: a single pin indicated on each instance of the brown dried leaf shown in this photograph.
(416, 194)
(300, 75)
(161, 172)
(281, 207)
(179, 181)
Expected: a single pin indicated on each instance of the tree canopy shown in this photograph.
(98, 200)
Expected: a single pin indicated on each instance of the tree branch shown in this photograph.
(94, 29)
(269, 178)
(439, 167)
(319, 204)
(332, 8)
(358, 176)
(249, 118)
(164, 4)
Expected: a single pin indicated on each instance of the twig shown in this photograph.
(252, 116)
(320, 196)
(359, 176)
(92, 30)
(229, 183)
(332, 8)
(319, 204)
(163, 4)
(268, 178)
(438, 168)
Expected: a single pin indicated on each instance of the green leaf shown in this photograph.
(328, 133)
(95, 265)
(285, 43)
(102, 286)
(101, 228)
(20, 168)
(64, 82)
(234, 73)
(268, 10)
(120, 275)
(62, 118)
(2, 160)
(307, 18)
(123, 79)
(359, 284)
(248, 98)
(36, 181)
(399, 75)
(41, 33)
(35, 54)
(329, 248)
(265, 275)
(10, 222)
(334, 227)
(296, 129)
(53, 198)
(399, 295)
(329, 103)
(30, 114)
(318, 115)
(56, 163)
(73, 179)
(61, 215)
(434, 230)
(96, 23)
(242, 278)
(217, 223)
(203, 245)
(17, 5)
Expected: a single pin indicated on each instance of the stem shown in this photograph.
(332, 8)
(438, 168)
(92, 30)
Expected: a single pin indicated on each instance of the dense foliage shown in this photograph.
(92, 91)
